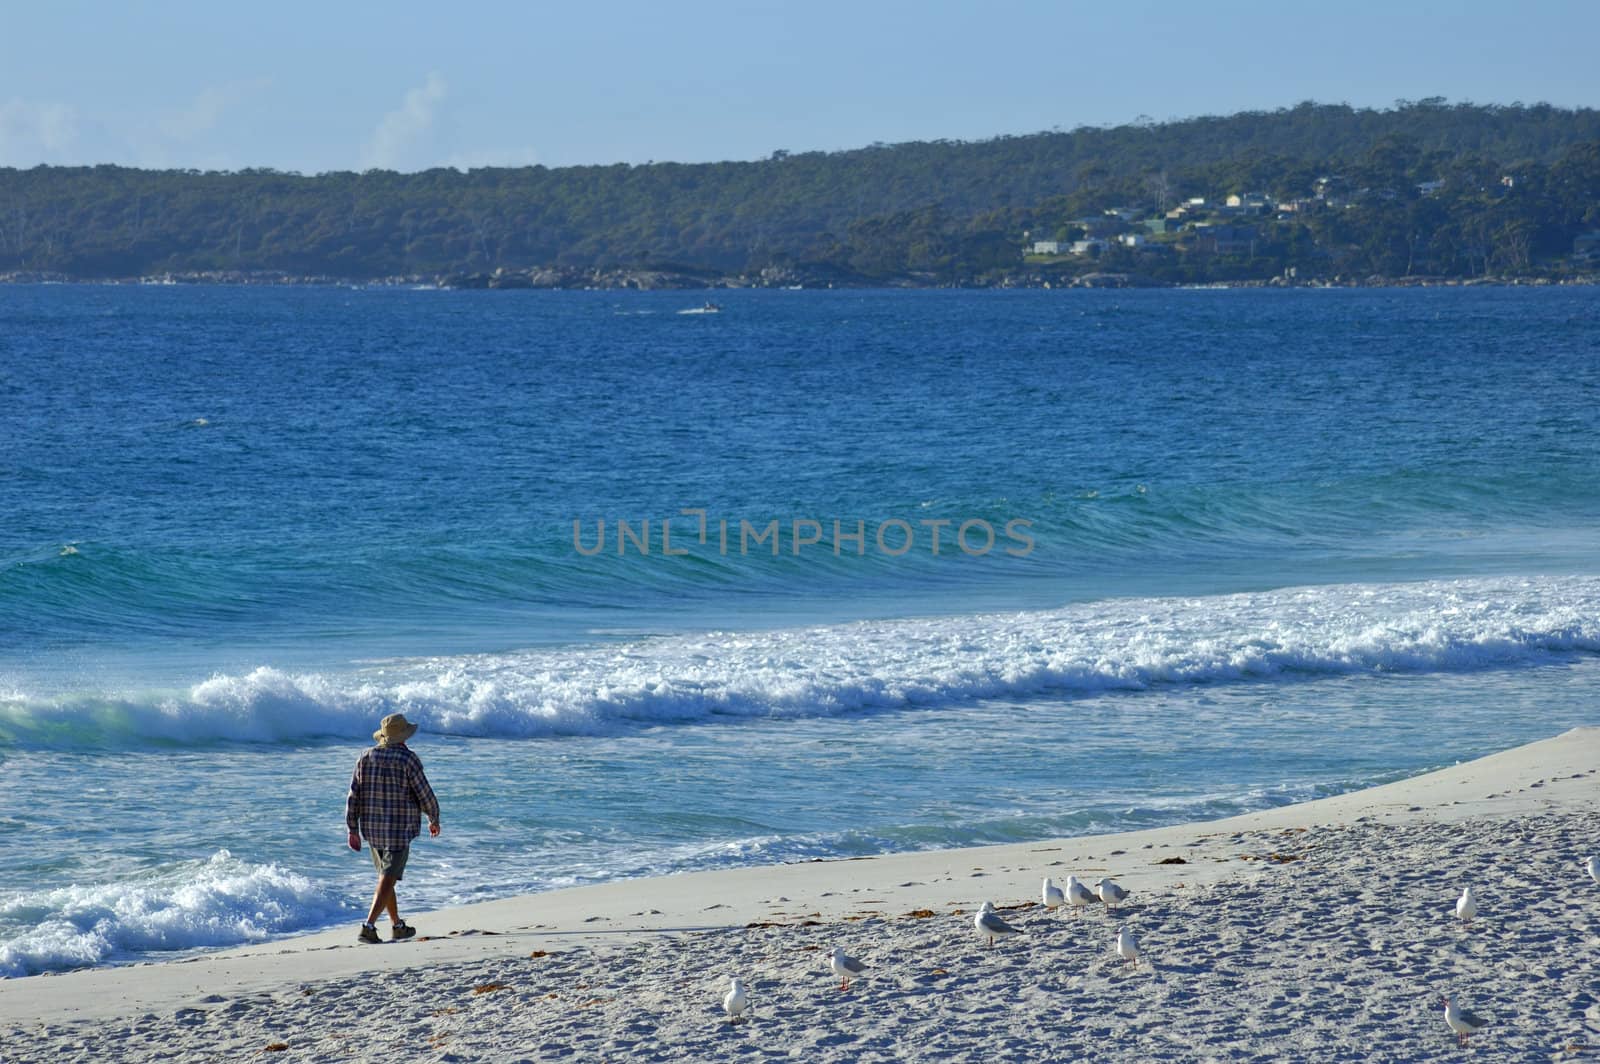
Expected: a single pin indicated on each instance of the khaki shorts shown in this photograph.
(390, 863)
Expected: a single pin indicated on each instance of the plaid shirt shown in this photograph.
(387, 793)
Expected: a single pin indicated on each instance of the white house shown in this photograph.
(1047, 247)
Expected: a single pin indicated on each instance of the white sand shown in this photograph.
(1323, 931)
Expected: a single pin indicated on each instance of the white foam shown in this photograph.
(896, 664)
(219, 902)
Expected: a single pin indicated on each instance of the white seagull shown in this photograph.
(1127, 947)
(1466, 905)
(1461, 1021)
(991, 926)
(736, 1001)
(1594, 868)
(846, 968)
(1054, 896)
(1078, 894)
(1110, 893)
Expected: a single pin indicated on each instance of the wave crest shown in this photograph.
(217, 902)
(1127, 644)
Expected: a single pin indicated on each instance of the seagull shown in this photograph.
(1461, 1021)
(1594, 868)
(1466, 906)
(1127, 948)
(990, 925)
(1054, 896)
(737, 1000)
(846, 968)
(1078, 894)
(1110, 893)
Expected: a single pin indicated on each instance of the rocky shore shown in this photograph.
(651, 279)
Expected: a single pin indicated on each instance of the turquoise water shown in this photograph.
(1266, 546)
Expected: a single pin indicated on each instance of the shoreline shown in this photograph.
(1547, 786)
(646, 280)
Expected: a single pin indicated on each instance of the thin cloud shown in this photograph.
(402, 129)
(205, 111)
(33, 132)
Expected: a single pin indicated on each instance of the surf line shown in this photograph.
(892, 537)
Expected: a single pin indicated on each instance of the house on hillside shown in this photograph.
(1047, 247)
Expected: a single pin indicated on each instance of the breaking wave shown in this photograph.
(221, 901)
(834, 670)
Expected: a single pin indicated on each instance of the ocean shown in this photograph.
(828, 573)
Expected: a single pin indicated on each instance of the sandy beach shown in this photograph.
(1320, 931)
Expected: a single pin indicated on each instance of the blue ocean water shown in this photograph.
(1200, 551)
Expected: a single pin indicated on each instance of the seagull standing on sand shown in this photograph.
(1054, 896)
(1127, 947)
(1110, 893)
(991, 926)
(846, 968)
(1466, 905)
(1078, 894)
(737, 1000)
(1594, 868)
(1461, 1021)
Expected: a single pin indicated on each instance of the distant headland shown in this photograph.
(1427, 192)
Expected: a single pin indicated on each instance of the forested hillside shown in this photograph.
(1423, 188)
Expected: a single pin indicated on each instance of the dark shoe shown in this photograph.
(401, 931)
(369, 934)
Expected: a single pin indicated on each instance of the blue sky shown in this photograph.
(406, 86)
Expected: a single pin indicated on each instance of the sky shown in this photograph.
(408, 86)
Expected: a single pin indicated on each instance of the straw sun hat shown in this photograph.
(394, 729)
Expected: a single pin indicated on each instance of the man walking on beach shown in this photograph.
(387, 795)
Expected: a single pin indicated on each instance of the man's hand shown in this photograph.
(433, 829)
(355, 842)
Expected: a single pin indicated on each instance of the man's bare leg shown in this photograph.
(383, 898)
